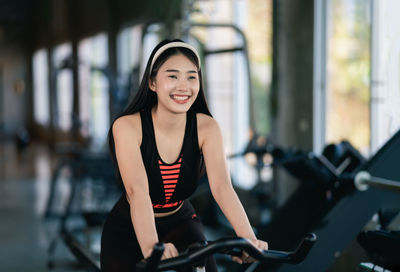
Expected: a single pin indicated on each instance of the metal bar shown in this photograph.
(221, 51)
(363, 180)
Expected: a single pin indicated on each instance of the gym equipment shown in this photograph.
(22, 139)
(91, 179)
(343, 223)
(381, 241)
(194, 255)
(93, 193)
(323, 182)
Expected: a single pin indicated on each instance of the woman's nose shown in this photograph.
(183, 84)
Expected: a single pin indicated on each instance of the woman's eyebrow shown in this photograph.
(172, 70)
(177, 71)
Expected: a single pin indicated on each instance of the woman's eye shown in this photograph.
(192, 77)
(172, 76)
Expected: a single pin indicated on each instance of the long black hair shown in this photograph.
(147, 99)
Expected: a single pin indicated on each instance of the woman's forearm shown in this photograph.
(143, 222)
(232, 208)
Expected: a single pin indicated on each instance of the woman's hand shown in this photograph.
(259, 244)
(170, 251)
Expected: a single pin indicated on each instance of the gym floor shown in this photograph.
(24, 235)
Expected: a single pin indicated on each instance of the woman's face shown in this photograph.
(176, 84)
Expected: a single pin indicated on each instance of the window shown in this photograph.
(41, 87)
(385, 72)
(94, 83)
(63, 86)
(129, 49)
(348, 73)
(129, 44)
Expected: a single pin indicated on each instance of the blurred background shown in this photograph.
(307, 93)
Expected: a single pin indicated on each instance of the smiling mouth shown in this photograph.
(180, 98)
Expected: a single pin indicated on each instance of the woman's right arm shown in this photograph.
(127, 138)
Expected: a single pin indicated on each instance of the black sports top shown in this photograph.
(171, 184)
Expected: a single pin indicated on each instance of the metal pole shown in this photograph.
(364, 180)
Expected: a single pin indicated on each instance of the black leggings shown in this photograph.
(120, 250)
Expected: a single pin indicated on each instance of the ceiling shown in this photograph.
(15, 18)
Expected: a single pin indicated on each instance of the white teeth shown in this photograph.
(180, 97)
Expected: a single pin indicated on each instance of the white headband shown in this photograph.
(170, 45)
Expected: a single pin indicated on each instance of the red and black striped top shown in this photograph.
(170, 177)
(171, 184)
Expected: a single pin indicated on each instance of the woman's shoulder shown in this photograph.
(127, 124)
(206, 124)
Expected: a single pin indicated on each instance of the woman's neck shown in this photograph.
(166, 120)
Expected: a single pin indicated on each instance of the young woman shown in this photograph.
(159, 144)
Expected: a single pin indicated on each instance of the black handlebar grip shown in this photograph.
(151, 264)
(304, 248)
(293, 257)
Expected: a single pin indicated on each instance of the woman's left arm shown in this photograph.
(220, 182)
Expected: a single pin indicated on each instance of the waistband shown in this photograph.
(185, 212)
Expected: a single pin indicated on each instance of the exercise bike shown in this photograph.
(193, 256)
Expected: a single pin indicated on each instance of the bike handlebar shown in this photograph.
(226, 246)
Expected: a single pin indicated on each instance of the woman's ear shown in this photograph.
(152, 85)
